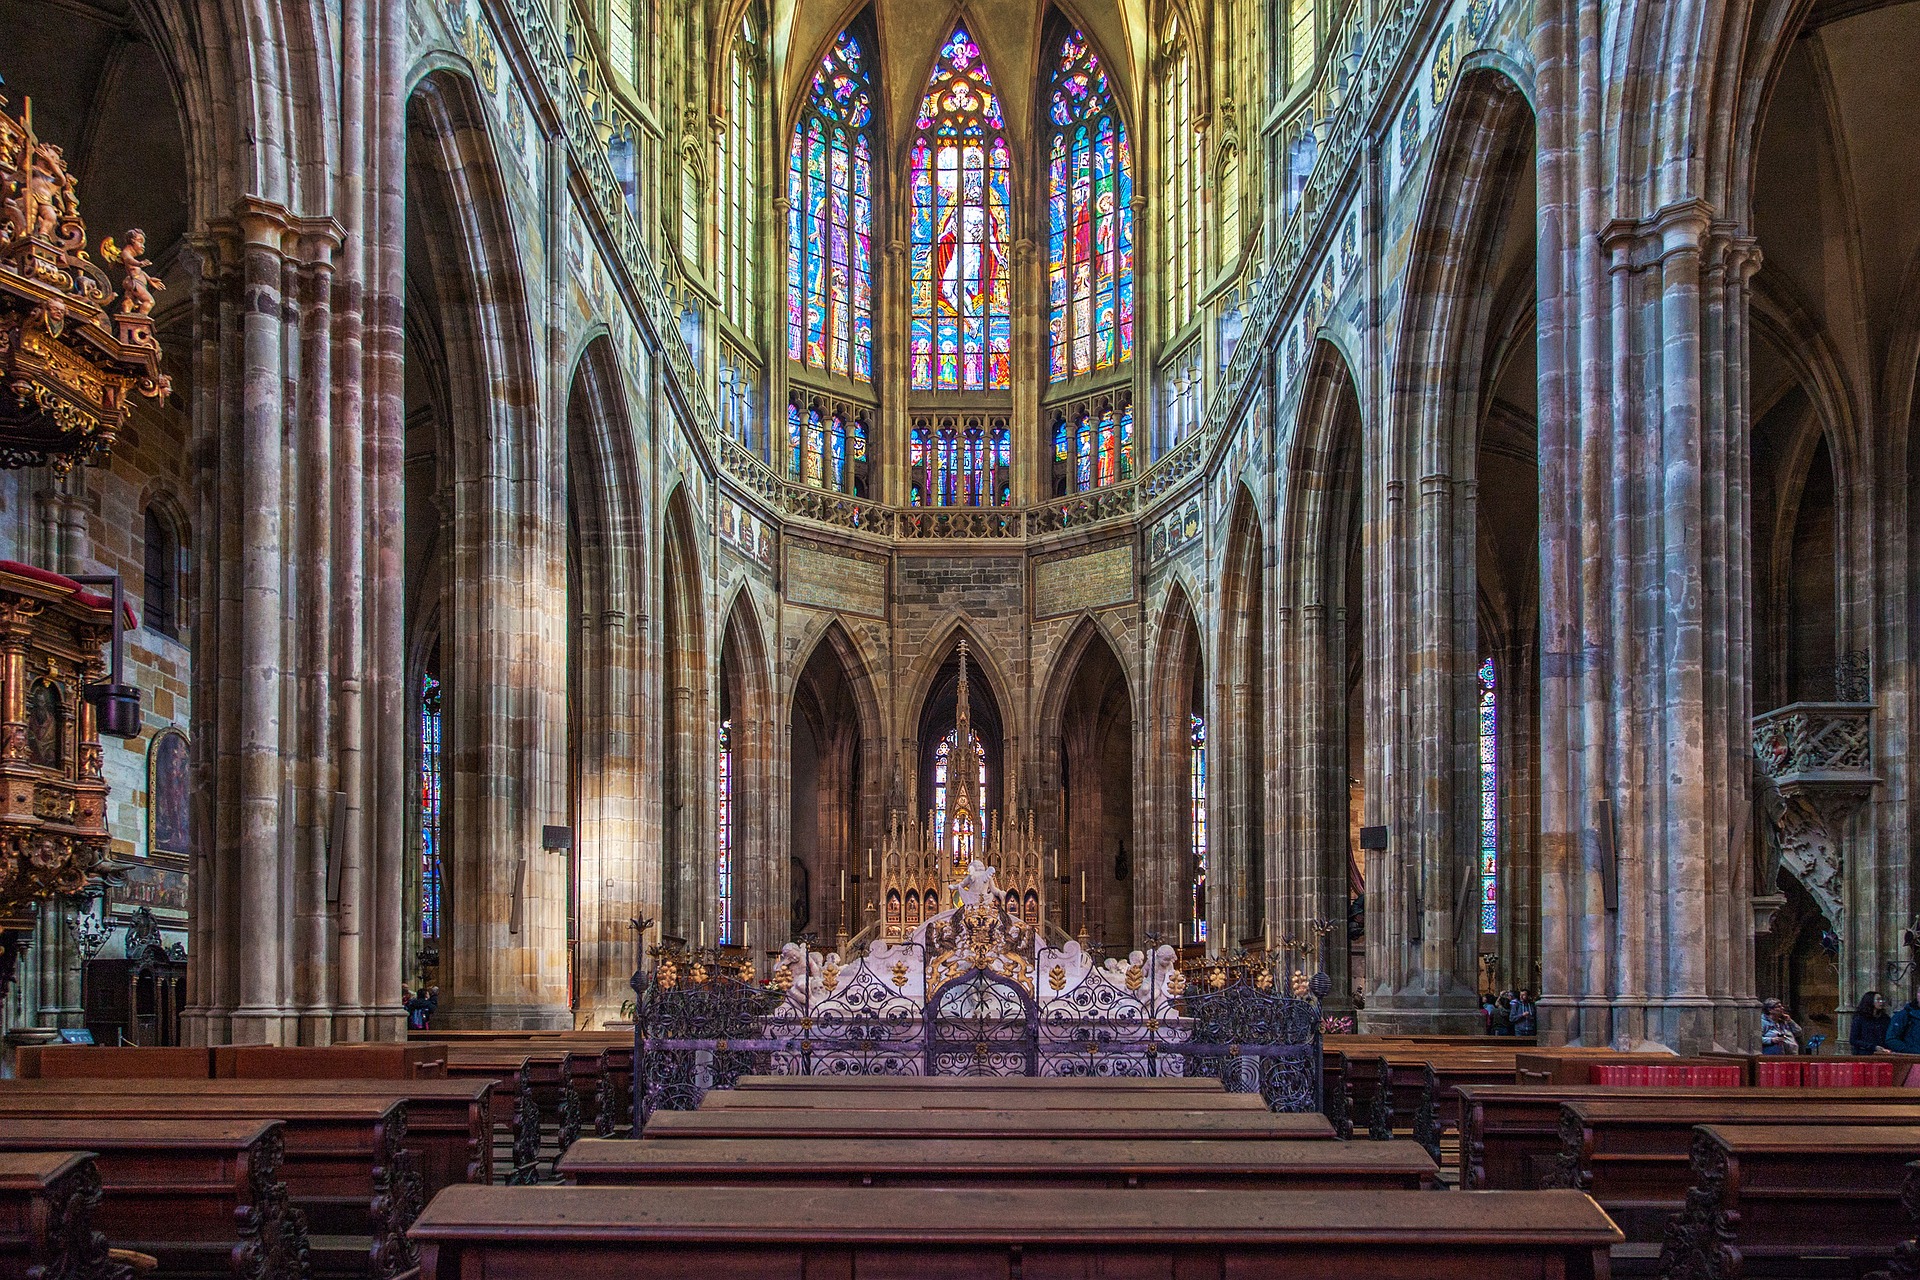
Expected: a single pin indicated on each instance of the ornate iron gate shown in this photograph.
(980, 1024)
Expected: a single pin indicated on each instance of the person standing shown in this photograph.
(1503, 1014)
(1868, 1034)
(1523, 1020)
(1903, 1033)
(1779, 1033)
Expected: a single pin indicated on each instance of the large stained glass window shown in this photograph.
(1489, 800)
(942, 755)
(723, 826)
(1197, 780)
(830, 219)
(960, 176)
(1089, 220)
(429, 782)
(967, 465)
(739, 172)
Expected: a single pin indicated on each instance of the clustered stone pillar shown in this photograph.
(295, 932)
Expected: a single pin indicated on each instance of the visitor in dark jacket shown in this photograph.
(1903, 1033)
(1868, 1034)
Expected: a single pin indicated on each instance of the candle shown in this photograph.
(1266, 931)
(1183, 933)
(1083, 888)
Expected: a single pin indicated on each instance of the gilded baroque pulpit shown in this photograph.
(54, 635)
(75, 352)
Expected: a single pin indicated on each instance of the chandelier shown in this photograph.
(73, 350)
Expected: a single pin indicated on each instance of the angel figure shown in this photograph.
(136, 286)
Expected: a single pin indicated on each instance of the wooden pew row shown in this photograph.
(985, 1098)
(999, 1162)
(1099, 1084)
(1510, 1137)
(346, 1165)
(1784, 1197)
(925, 1123)
(47, 1202)
(447, 1130)
(701, 1233)
(1632, 1154)
(202, 1197)
(528, 1084)
(241, 1061)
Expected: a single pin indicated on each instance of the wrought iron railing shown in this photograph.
(703, 1020)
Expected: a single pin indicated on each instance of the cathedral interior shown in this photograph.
(1431, 483)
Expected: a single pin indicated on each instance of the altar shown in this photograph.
(961, 970)
(975, 990)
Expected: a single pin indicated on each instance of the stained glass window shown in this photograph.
(968, 465)
(1089, 220)
(828, 447)
(942, 753)
(1184, 246)
(960, 176)
(1299, 39)
(830, 219)
(1094, 448)
(620, 36)
(1197, 777)
(429, 806)
(739, 168)
(1489, 800)
(723, 825)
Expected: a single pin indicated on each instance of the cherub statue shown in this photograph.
(49, 186)
(136, 286)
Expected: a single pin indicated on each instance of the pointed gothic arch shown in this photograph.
(745, 872)
(1165, 900)
(1240, 739)
(606, 668)
(1443, 370)
(505, 549)
(687, 745)
(836, 759)
(1325, 773)
(1085, 752)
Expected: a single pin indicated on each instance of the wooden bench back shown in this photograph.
(597, 1233)
(411, 1061)
(59, 1061)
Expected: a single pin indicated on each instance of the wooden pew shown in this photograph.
(55, 1061)
(1632, 1154)
(1510, 1134)
(204, 1197)
(411, 1061)
(924, 1123)
(701, 1233)
(1117, 1084)
(998, 1162)
(448, 1121)
(530, 1083)
(985, 1098)
(346, 1164)
(47, 1202)
(1778, 1195)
